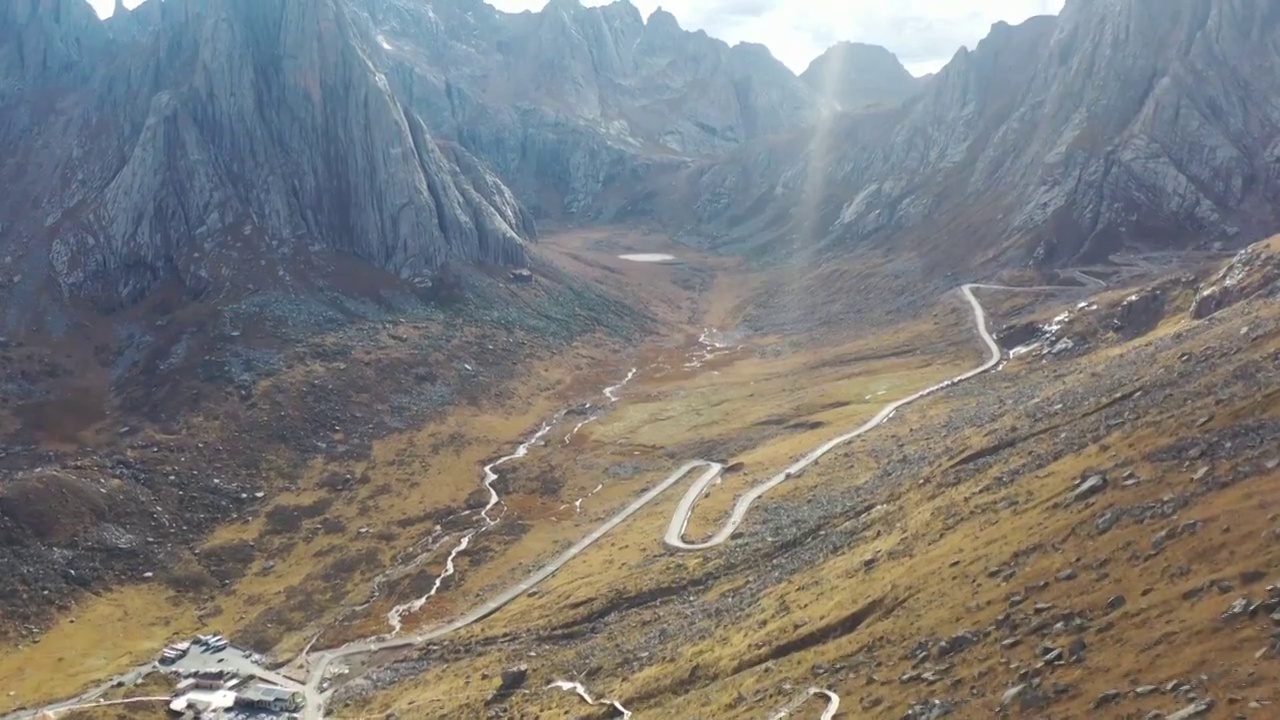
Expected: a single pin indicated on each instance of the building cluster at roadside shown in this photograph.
(216, 680)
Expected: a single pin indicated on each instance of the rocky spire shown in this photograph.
(661, 21)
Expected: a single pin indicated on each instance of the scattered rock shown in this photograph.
(1011, 694)
(929, 710)
(956, 643)
(512, 680)
(1106, 521)
(1107, 698)
(1249, 577)
(1087, 489)
(1195, 709)
(1075, 651)
(1237, 609)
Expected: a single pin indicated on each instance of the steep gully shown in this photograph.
(318, 663)
(395, 617)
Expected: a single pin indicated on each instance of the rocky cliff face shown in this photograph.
(193, 140)
(605, 69)
(573, 104)
(1122, 121)
(857, 76)
(42, 41)
(217, 142)
(1253, 272)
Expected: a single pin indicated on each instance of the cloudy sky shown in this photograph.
(923, 33)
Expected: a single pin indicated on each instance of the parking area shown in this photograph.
(215, 675)
(231, 660)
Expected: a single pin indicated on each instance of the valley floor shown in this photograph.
(1067, 536)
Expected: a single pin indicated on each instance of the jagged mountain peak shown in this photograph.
(758, 51)
(1059, 137)
(1120, 122)
(856, 76)
(858, 51)
(662, 21)
(623, 11)
(562, 7)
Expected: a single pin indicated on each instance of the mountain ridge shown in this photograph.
(194, 162)
(1013, 136)
(1058, 140)
(858, 75)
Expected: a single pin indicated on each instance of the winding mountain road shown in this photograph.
(51, 714)
(674, 536)
(680, 520)
(318, 663)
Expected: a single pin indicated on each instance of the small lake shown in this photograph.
(648, 257)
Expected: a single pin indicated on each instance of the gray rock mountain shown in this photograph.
(221, 142)
(47, 40)
(572, 104)
(1122, 121)
(857, 76)
(211, 142)
(208, 142)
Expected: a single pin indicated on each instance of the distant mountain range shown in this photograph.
(1120, 122)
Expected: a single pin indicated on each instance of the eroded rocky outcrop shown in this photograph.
(1254, 272)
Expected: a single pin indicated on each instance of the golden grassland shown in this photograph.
(761, 404)
(152, 686)
(942, 541)
(101, 637)
(754, 392)
(406, 480)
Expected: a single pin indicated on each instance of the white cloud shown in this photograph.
(104, 7)
(923, 33)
